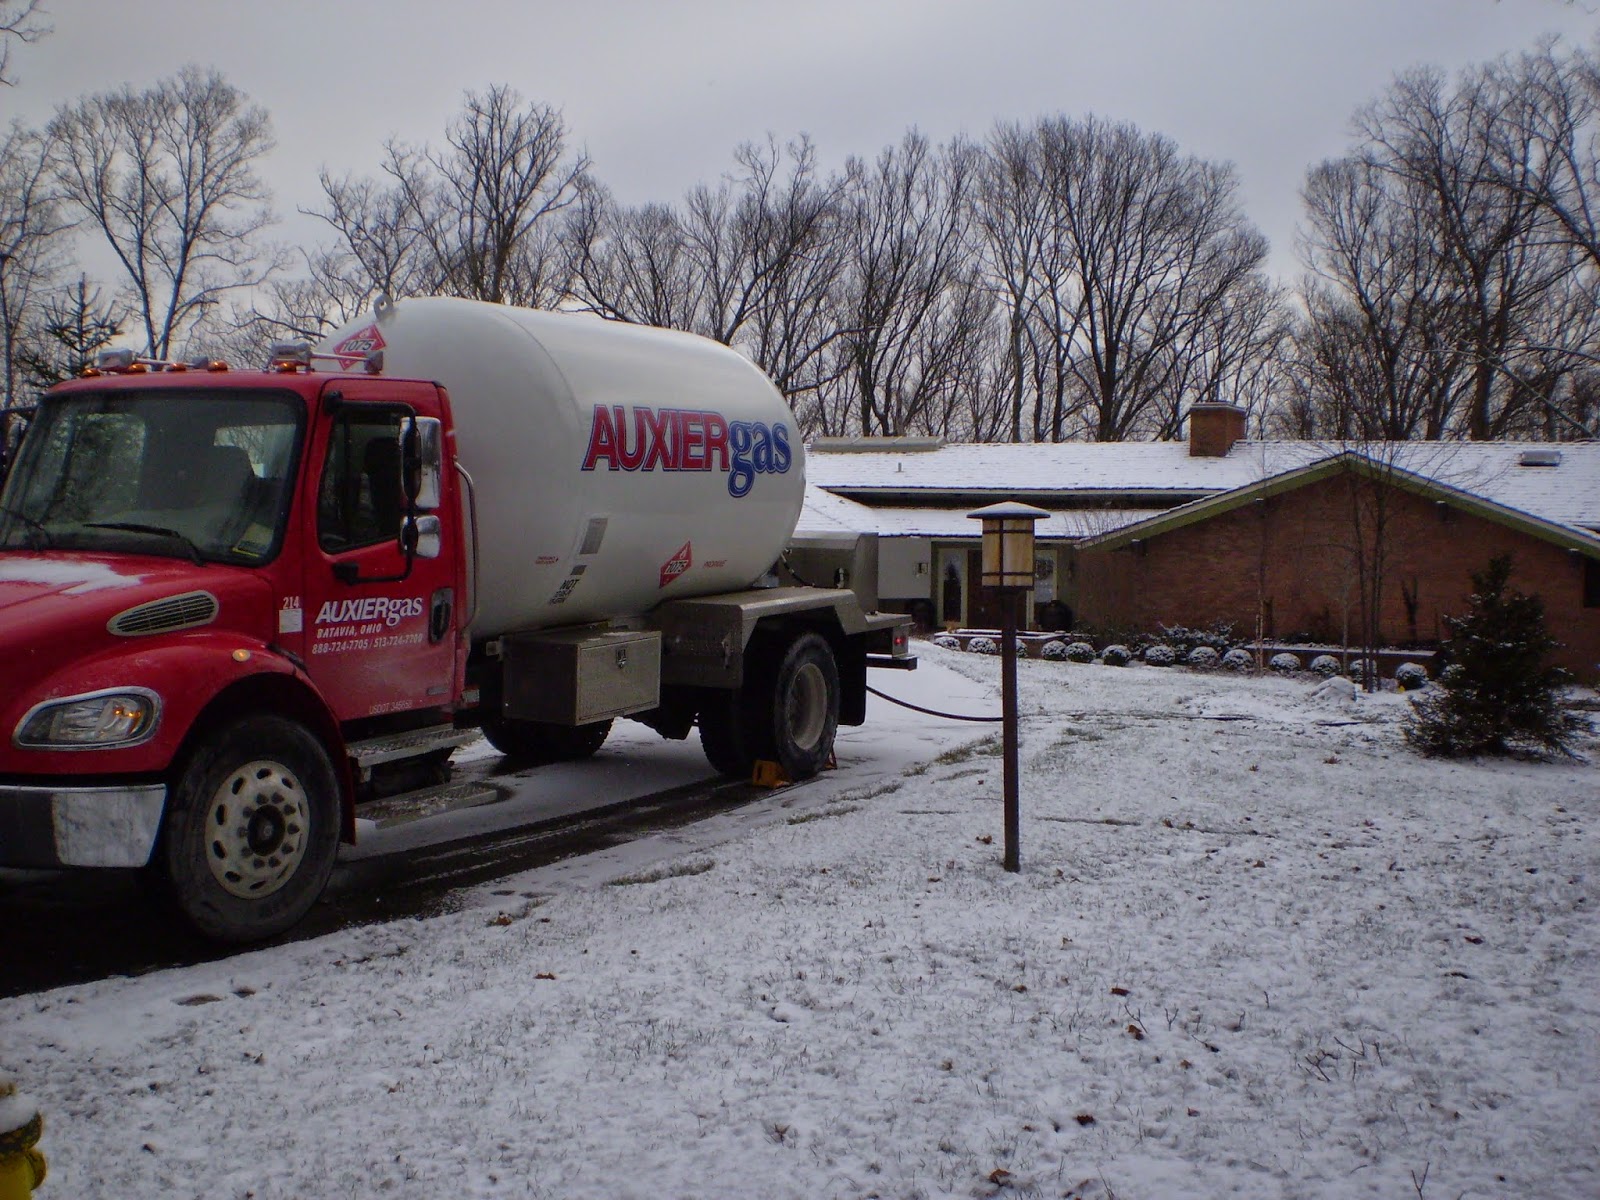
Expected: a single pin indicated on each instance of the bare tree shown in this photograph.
(1381, 352)
(796, 229)
(1562, 120)
(907, 305)
(634, 264)
(1156, 242)
(497, 188)
(1473, 157)
(167, 177)
(380, 247)
(21, 22)
(1232, 356)
(1018, 215)
(754, 262)
(30, 222)
(478, 218)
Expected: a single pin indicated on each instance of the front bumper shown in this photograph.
(79, 826)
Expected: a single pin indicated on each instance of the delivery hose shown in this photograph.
(932, 712)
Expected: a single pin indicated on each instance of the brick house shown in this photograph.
(1281, 539)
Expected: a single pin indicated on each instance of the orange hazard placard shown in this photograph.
(355, 348)
(682, 559)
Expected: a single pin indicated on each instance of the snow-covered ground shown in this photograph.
(1257, 948)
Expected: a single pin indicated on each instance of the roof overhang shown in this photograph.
(1566, 536)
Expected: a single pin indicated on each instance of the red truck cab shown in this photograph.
(212, 584)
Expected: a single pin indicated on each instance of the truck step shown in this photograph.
(396, 746)
(426, 802)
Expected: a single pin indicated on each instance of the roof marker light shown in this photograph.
(115, 360)
(288, 356)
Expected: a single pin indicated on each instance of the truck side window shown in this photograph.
(360, 499)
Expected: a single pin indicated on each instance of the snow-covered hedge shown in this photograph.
(1080, 652)
(947, 641)
(1202, 656)
(1238, 659)
(1325, 665)
(1160, 655)
(983, 645)
(1284, 662)
(1055, 650)
(1115, 656)
(1410, 676)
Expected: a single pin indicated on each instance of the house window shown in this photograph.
(1591, 583)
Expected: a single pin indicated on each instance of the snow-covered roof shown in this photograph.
(1124, 474)
(826, 513)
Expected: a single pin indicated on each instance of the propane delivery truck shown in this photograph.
(242, 610)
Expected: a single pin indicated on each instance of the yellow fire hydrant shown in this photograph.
(22, 1167)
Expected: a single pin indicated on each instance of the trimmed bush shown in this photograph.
(983, 645)
(1411, 676)
(1080, 652)
(1184, 639)
(1357, 669)
(947, 641)
(1160, 655)
(1238, 659)
(1055, 650)
(1325, 665)
(1284, 662)
(1115, 656)
(1202, 656)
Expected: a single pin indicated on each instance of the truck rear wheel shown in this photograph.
(538, 742)
(728, 734)
(251, 830)
(787, 712)
(805, 707)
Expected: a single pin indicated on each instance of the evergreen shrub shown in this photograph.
(1499, 694)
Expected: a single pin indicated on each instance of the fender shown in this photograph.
(203, 677)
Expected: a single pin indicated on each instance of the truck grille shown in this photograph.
(163, 616)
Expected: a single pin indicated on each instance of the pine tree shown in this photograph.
(76, 324)
(1498, 694)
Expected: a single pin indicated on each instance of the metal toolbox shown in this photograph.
(574, 677)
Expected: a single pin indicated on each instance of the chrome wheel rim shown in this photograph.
(256, 829)
(808, 706)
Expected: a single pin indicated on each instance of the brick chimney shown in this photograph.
(1214, 428)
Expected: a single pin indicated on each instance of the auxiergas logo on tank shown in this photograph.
(681, 439)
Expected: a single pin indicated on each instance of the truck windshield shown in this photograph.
(190, 474)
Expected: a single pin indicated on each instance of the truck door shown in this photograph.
(380, 623)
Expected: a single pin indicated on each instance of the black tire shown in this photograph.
(728, 735)
(786, 712)
(537, 742)
(805, 707)
(251, 830)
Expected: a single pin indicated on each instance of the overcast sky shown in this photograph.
(660, 92)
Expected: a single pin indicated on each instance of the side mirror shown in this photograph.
(422, 537)
(422, 457)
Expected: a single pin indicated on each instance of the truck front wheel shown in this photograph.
(251, 830)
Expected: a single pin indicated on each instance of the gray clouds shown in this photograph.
(659, 93)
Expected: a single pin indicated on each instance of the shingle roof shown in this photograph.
(1073, 478)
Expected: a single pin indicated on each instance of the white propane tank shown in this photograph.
(616, 466)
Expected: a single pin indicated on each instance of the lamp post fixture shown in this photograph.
(1008, 569)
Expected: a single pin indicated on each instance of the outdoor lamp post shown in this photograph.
(1008, 569)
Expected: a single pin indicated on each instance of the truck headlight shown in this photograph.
(116, 717)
